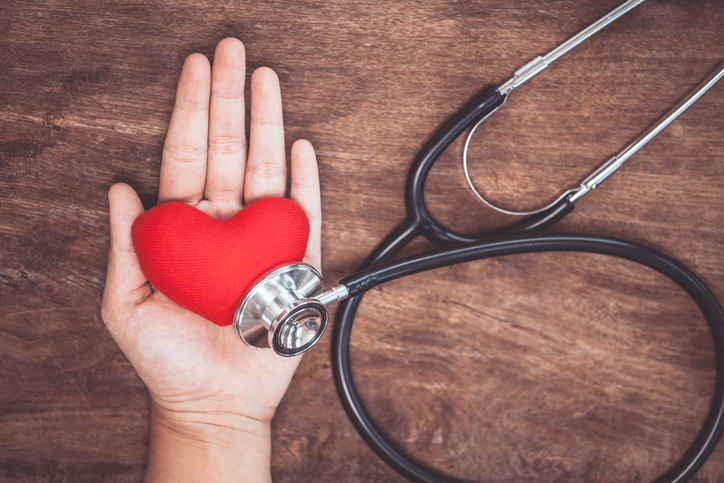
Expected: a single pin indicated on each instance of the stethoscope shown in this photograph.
(285, 309)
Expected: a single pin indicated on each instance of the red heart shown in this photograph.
(205, 265)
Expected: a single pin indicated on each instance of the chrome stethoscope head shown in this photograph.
(284, 309)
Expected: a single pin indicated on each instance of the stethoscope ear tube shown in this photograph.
(479, 107)
(690, 462)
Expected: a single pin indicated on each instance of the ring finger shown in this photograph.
(266, 173)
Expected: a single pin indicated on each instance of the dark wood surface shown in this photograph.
(556, 367)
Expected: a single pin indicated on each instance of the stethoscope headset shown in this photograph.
(285, 309)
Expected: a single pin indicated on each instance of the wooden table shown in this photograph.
(556, 367)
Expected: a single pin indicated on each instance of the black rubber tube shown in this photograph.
(473, 247)
(481, 105)
(690, 462)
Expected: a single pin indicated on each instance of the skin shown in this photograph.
(212, 397)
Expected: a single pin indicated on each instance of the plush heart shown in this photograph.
(205, 265)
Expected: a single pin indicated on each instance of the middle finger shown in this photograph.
(227, 140)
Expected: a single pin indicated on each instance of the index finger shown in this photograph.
(183, 167)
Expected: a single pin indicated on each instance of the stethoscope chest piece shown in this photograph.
(279, 310)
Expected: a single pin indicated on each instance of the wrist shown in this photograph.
(207, 446)
(209, 424)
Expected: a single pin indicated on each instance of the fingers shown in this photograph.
(125, 284)
(265, 166)
(305, 192)
(227, 139)
(183, 167)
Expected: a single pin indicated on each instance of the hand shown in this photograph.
(212, 397)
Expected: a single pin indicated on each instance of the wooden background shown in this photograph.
(559, 367)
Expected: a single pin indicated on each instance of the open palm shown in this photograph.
(190, 365)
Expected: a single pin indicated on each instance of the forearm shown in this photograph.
(187, 449)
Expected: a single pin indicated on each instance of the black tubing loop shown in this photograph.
(693, 458)
(483, 104)
(475, 247)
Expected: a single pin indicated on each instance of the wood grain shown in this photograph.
(557, 367)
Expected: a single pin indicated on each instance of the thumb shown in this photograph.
(126, 285)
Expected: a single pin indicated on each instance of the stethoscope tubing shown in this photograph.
(517, 238)
(690, 462)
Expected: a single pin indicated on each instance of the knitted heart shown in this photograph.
(205, 265)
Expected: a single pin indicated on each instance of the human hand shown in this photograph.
(212, 397)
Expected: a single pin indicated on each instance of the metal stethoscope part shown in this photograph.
(286, 308)
(534, 67)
